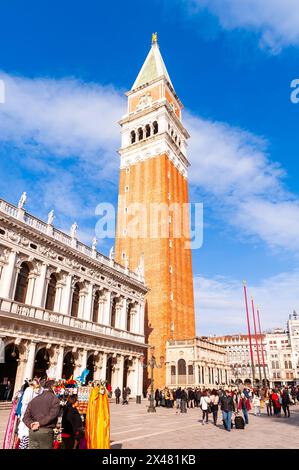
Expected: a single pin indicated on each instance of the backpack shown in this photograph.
(239, 422)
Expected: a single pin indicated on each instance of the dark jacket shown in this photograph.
(45, 409)
(71, 422)
(285, 399)
(227, 403)
(184, 395)
(117, 392)
(178, 393)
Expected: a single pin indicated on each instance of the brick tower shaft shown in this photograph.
(153, 215)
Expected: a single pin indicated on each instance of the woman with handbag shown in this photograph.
(204, 405)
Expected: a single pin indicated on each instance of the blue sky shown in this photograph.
(66, 66)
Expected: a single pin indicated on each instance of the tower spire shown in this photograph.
(153, 67)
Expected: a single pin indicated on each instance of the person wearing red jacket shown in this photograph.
(244, 405)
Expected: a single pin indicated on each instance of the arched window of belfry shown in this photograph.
(155, 127)
(140, 133)
(147, 130)
(22, 283)
(51, 293)
(133, 137)
(75, 301)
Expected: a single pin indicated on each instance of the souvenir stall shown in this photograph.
(92, 404)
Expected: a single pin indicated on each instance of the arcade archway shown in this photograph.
(8, 370)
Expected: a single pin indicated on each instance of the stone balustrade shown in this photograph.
(56, 318)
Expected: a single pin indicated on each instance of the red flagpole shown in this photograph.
(249, 333)
(260, 332)
(256, 340)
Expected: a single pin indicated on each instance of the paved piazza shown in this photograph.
(132, 427)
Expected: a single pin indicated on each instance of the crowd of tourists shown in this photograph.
(234, 402)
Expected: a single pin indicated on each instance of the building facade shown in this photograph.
(65, 307)
(293, 331)
(239, 358)
(196, 362)
(281, 353)
(153, 192)
(282, 370)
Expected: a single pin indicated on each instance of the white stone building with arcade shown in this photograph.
(64, 306)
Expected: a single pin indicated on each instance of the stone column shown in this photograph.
(59, 365)
(196, 374)
(58, 298)
(101, 310)
(141, 318)
(28, 372)
(82, 302)
(31, 288)
(8, 276)
(66, 296)
(41, 287)
(107, 309)
(139, 373)
(118, 373)
(123, 315)
(101, 372)
(88, 311)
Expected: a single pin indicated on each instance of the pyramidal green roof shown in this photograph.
(152, 68)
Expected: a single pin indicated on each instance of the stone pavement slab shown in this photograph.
(132, 427)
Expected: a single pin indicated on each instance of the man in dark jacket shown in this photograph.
(41, 418)
(285, 402)
(227, 408)
(184, 399)
(117, 393)
(157, 396)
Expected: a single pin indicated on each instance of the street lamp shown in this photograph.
(152, 364)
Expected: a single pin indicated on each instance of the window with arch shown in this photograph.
(155, 127)
(51, 293)
(22, 283)
(147, 130)
(75, 301)
(140, 133)
(133, 137)
(181, 367)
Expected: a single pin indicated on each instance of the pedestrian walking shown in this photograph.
(256, 403)
(276, 403)
(117, 393)
(204, 405)
(184, 398)
(214, 405)
(227, 408)
(285, 402)
(244, 406)
(178, 395)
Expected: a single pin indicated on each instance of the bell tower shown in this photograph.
(153, 222)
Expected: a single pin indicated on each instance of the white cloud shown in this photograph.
(63, 117)
(276, 21)
(220, 302)
(246, 189)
